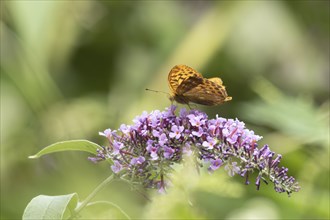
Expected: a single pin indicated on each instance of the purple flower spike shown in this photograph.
(147, 150)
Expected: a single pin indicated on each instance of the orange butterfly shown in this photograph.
(188, 85)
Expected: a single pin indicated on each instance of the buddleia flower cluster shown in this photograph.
(146, 151)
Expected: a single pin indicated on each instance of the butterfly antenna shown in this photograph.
(151, 90)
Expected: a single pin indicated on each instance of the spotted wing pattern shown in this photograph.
(207, 93)
(182, 75)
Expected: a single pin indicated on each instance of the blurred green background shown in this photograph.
(72, 68)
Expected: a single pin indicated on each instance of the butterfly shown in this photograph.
(188, 85)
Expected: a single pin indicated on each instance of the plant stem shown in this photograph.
(91, 196)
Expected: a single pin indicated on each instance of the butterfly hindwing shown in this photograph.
(216, 80)
(207, 93)
(188, 84)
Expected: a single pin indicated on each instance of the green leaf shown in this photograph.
(51, 207)
(74, 145)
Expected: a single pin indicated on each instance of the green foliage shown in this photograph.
(73, 145)
(65, 206)
(51, 207)
(296, 117)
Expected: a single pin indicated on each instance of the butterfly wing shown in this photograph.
(180, 76)
(216, 80)
(188, 84)
(207, 93)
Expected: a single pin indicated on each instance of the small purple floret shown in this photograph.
(116, 167)
(176, 131)
(215, 164)
(137, 160)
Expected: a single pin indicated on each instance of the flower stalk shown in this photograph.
(85, 202)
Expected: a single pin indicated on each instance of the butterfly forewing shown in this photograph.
(187, 85)
(179, 75)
